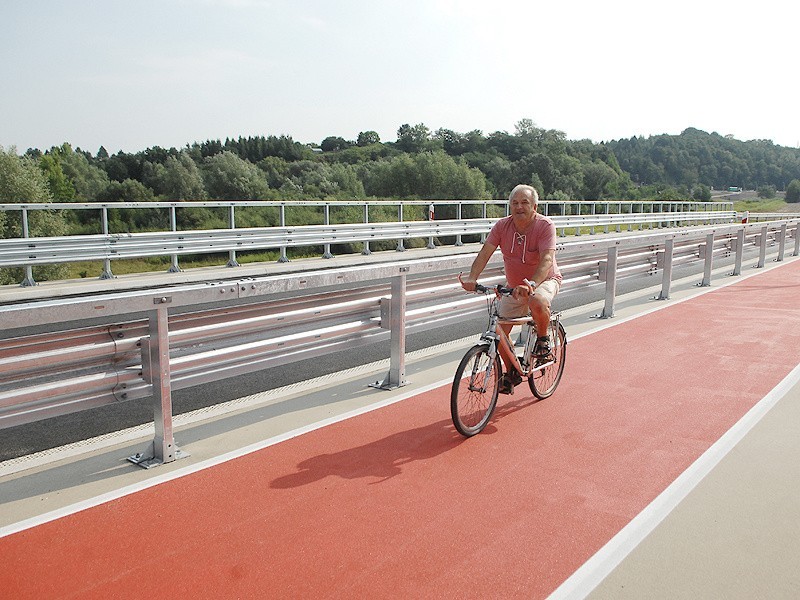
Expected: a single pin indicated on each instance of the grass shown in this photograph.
(771, 205)
(93, 269)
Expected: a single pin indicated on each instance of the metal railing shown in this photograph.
(29, 251)
(245, 325)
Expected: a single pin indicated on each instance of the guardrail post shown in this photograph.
(326, 211)
(366, 251)
(282, 221)
(393, 317)
(666, 278)
(781, 243)
(29, 280)
(155, 364)
(431, 216)
(173, 268)
(762, 253)
(483, 214)
(232, 262)
(611, 283)
(400, 247)
(458, 216)
(737, 266)
(796, 240)
(708, 249)
(106, 274)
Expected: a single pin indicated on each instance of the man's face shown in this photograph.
(522, 206)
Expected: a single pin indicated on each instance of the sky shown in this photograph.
(132, 75)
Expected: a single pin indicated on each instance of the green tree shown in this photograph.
(228, 177)
(333, 143)
(178, 178)
(793, 191)
(276, 170)
(361, 154)
(525, 127)
(21, 180)
(429, 175)
(366, 138)
(597, 176)
(60, 185)
(412, 139)
(313, 179)
(767, 191)
(128, 190)
(87, 179)
(702, 193)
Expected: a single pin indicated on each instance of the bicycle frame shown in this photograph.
(496, 337)
(478, 377)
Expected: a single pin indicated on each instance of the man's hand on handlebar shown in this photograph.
(467, 283)
(524, 290)
(471, 285)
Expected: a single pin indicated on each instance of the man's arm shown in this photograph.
(478, 265)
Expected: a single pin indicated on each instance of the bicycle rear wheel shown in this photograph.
(475, 388)
(545, 381)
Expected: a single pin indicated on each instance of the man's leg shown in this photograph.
(540, 311)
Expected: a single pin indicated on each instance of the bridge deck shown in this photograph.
(664, 466)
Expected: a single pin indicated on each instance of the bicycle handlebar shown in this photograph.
(499, 289)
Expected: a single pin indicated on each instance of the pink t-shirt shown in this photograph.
(521, 250)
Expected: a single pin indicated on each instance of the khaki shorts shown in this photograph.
(514, 309)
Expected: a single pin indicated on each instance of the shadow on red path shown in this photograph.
(384, 458)
(394, 503)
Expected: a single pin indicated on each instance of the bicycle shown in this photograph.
(477, 380)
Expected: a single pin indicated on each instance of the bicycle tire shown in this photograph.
(544, 382)
(470, 407)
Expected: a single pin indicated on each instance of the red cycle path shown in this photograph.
(395, 504)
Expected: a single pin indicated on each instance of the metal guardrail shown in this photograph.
(40, 251)
(423, 209)
(763, 216)
(245, 325)
(31, 251)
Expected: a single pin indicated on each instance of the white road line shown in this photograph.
(599, 566)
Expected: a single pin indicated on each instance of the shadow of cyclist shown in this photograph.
(384, 458)
(381, 459)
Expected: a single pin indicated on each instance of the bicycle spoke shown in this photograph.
(474, 396)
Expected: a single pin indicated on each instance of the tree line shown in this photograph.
(420, 164)
(424, 164)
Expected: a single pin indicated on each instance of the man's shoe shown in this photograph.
(542, 347)
(508, 381)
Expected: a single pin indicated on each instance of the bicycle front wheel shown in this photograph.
(475, 388)
(545, 381)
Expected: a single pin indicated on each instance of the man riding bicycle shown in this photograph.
(528, 243)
